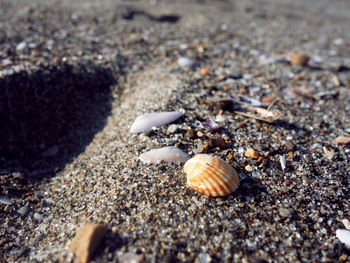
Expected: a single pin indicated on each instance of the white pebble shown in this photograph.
(38, 217)
(203, 258)
(172, 128)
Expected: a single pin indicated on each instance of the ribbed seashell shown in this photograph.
(210, 175)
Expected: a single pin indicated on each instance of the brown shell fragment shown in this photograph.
(87, 239)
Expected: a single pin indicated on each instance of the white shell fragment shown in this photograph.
(169, 154)
(344, 236)
(186, 62)
(147, 121)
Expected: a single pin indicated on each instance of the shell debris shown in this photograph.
(211, 175)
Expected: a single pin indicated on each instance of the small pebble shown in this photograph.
(38, 217)
(172, 128)
(220, 118)
(248, 168)
(203, 258)
(330, 153)
(285, 212)
(205, 71)
(251, 153)
(23, 210)
(289, 145)
(202, 148)
(191, 134)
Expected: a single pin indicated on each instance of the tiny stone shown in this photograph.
(191, 134)
(289, 145)
(38, 217)
(200, 134)
(172, 128)
(251, 153)
(220, 118)
(21, 46)
(202, 148)
(23, 210)
(203, 258)
(284, 212)
(248, 168)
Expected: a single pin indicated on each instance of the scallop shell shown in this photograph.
(210, 175)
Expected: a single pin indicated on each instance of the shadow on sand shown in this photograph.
(49, 115)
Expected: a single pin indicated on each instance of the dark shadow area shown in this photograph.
(48, 116)
(110, 244)
(251, 188)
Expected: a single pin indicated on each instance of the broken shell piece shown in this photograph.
(210, 175)
(149, 120)
(342, 140)
(169, 154)
(86, 241)
(344, 236)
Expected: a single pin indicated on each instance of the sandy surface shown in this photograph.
(75, 75)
